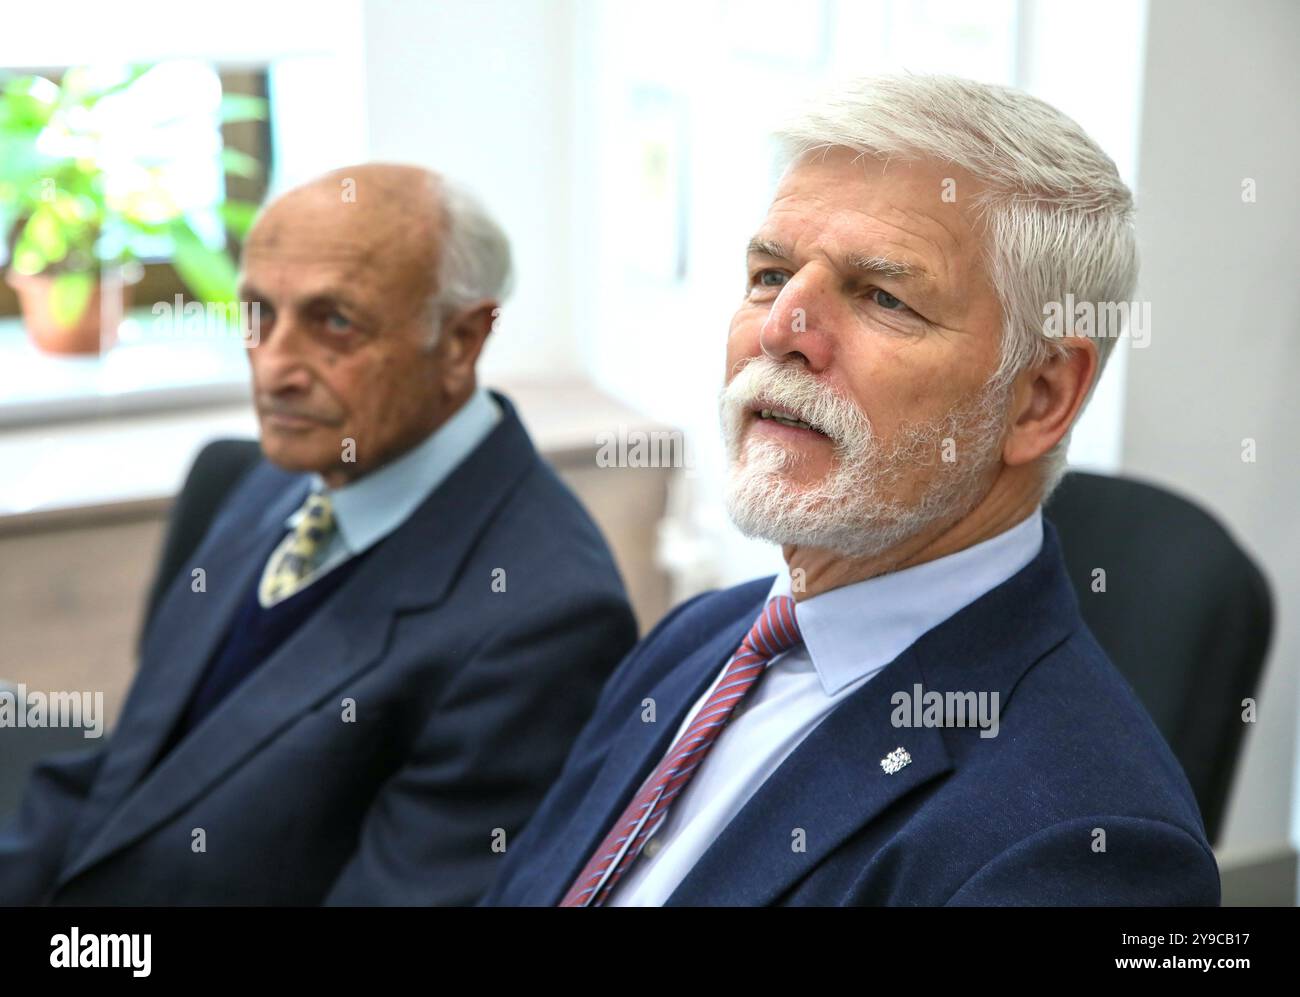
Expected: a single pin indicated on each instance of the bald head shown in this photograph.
(385, 222)
(357, 339)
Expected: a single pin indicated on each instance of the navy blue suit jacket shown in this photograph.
(1012, 819)
(467, 700)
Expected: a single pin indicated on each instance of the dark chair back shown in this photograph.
(1182, 610)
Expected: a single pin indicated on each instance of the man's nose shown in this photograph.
(797, 324)
(279, 358)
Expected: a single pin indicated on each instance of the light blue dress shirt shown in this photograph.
(849, 634)
(368, 509)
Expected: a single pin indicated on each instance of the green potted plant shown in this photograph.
(90, 186)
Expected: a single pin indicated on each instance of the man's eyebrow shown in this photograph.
(315, 299)
(885, 267)
(328, 299)
(881, 265)
(766, 247)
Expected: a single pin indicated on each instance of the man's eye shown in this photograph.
(770, 278)
(887, 301)
(336, 322)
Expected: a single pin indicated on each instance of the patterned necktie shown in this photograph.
(775, 631)
(293, 563)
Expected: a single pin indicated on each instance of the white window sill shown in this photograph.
(144, 372)
(109, 458)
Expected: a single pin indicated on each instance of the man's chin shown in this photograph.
(772, 500)
(295, 455)
(793, 481)
(783, 528)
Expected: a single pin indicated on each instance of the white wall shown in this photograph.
(482, 92)
(1224, 360)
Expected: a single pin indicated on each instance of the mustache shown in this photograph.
(764, 383)
(269, 407)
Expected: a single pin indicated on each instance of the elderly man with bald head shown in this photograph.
(404, 616)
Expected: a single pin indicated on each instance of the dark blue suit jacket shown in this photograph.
(467, 700)
(1005, 820)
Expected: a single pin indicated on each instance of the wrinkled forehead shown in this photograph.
(379, 240)
(841, 179)
(850, 204)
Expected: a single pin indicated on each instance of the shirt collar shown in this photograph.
(370, 508)
(857, 629)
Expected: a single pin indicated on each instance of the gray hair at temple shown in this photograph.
(476, 262)
(1057, 216)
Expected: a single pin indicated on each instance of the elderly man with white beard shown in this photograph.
(913, 712)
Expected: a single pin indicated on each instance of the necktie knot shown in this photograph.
(776, 630)
(317, 520)
(292, 565)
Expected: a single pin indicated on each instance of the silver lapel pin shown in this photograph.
(895, 760)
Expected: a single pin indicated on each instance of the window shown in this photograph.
(311, 71)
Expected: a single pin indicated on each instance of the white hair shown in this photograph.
(1057, 216)
(475, 263)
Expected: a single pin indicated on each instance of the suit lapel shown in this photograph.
(830, 786)
(637, 749)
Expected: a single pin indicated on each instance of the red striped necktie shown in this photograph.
(773, 632)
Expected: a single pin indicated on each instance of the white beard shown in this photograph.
(856, 510)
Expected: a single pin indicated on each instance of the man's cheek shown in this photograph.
(742, 335)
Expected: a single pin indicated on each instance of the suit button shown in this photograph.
(652, 847)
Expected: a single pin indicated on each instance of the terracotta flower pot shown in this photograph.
(94, 332)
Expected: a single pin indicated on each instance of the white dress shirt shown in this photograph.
(373, 506)
(849, 634)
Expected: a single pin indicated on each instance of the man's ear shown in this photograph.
(462, 338)
(1047, 399)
